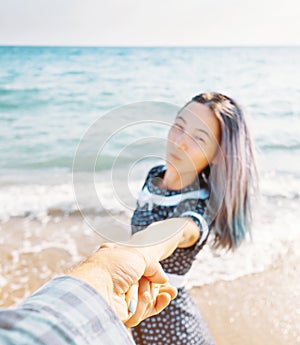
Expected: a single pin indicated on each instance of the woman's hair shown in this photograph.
(234, 175)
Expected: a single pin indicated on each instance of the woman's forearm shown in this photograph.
(160, 239)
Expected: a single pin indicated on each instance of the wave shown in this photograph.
(17, 90)
(42, 195)
(85, 164)
(282, 147)
(72, 73)
(47, 192)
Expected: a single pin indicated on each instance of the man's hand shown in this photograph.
(124, 276)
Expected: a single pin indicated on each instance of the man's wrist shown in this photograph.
(94, 273)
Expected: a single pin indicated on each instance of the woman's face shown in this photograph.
(193, 139)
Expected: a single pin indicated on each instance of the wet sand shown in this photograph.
(258, 309)
(33, 251)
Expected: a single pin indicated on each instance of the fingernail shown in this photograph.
(132, 306)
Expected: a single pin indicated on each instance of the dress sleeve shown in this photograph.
(143, 215)
(64, 311)
(194, 209)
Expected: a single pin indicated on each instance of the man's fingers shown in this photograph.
(108, 245)
(155, 273)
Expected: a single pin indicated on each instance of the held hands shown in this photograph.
(132, 283)
(152, 299)
(150, 293)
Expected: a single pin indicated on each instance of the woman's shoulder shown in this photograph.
(158, 169)
(155, 171)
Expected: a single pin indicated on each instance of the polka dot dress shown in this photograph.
(180, 323)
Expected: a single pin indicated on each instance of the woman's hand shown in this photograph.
(152, 299)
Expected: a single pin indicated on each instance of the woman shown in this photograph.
(210, 169)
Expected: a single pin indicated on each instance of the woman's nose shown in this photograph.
(182, 141)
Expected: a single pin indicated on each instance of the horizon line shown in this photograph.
(149, 46)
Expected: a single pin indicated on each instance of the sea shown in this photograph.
(54, 99)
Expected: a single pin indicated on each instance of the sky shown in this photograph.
(150, 23)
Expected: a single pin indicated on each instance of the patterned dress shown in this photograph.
(180, 323)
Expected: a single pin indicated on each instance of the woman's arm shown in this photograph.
(165, 236)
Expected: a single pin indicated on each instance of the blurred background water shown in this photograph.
(50, 96)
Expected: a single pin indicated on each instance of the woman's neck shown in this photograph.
(174, 181)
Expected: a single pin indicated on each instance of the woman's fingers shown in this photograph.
(152, 299)
(131, 298)
(164, 295)
(171, 290)
(144, 299)
(162, 301)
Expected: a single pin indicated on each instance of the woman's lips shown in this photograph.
(175, 157)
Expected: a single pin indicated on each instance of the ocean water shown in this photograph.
(49, 97)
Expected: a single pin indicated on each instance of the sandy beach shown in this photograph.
(257, 309)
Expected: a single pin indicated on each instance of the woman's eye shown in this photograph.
(200, 139)
(177, 126)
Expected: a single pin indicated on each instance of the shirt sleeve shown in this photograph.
(64, 311)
